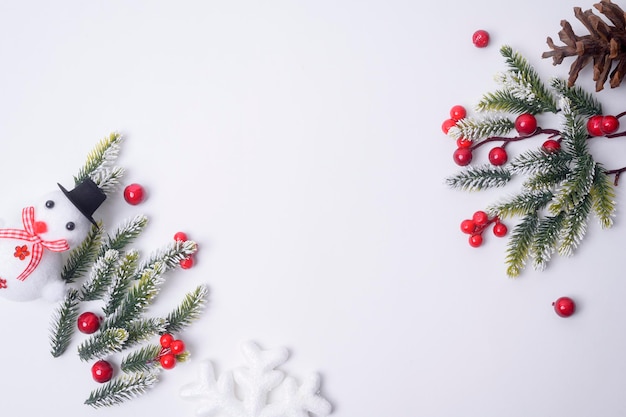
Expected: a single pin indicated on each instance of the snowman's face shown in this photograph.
(62, 219)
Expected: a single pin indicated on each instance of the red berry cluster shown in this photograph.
(170, 349)
(463, 154)
(188, 262)
(600, 125)
(477, 225)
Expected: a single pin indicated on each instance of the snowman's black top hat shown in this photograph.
(86, 196)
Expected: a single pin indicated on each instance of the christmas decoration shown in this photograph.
(477, 225)
(604, 46)
(564, 306)
(564, 185)
(105, 272)
(480, 38)
(134, 194)
(245, 391)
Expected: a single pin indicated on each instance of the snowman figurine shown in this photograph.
(32, 246)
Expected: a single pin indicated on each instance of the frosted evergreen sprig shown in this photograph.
(519, 246)
(122, 279)
(101, 157)
(188, 311)
(122, 389)
(141, 330)
(100, 344)
(603, 198)
(107, 179)
(100, 277)
(125, 234)
(64, 323)
(481, 177)
(170, 255)
(580, 101)
(142, 359)
(81, 258)
(477, 128)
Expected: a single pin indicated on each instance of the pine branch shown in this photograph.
(122, 278)
(575, 227)
(142, 360)
(581, 101)
(479, 178)
(503, 101)
(479, 128)
(170, 256)
(188, 311)
(574, 135)
(64, 323)
(101, 156)
(576, 187)
(546, 239)
(140, 330)
(121, 389)
(522, 204)
(125, 234)
(81, 258)
(525, 82)
(547, 180)
(101, 276)
(603, 198)
(137, 299)
(537, 161)
(100, 344)
(520, 243)
(107, 179)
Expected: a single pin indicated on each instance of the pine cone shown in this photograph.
(605, 45)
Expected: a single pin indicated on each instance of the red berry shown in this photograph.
(180, 236)
(102, 371)
(88, 323)
(166, 340)
(447, 124)
(463, 143)
(551, 146)
(609, 124)
(462, 156)
(498, 156)
(177, 347)
(134, 194)
(475, 240)
(480, 218)
(500, 230)
(594, 125)
(526, 124)
(564, 306)
(480, 38)
(186, 263)
(457, 113)
(168, 361)
(468, 226)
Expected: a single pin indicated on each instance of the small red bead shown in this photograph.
(475, 240)
(180, 236)
(458, 112)
(134, 194)
(480, 38)
(166, 340)
(551, 146)
(102, 371)
(463, 143)
(609, 125)
(594, 125)
(480, 218)
(564, 306)
(177, 347)
(88, 323)
(462, 156)
(468, 226)
(186, 263)
(500, 230)
(526, 123)
(168, 361)
(498, 156)
(447, 124)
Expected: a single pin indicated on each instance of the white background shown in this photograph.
(299, 144)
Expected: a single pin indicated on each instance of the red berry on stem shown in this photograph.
(166, 340)
(594, 125)
(88, 323)
(458, 112)
(480, 218)
(447, 124)
(462, 156)
(564, 306)
(180, 236)
(463, 143)
(551, 146)
(500, 230)
(134, 194)
(186, 263)
(526, 124)
(468, 226)
(475, 240)
(480, 38)
(102, 371)
(609, 125)
(177, 347)
(168, 361)
(498, 156)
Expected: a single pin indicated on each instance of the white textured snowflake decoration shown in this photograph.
(256, 380)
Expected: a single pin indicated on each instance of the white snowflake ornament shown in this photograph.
(256, 381)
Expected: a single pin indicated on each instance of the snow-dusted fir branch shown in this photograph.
(141, 330)
(477, 128)
(80, 259)
(64, 323)
(122, 279)
(101, 157)
(107, 179)
(103, 343)
(476, 178)
(142, 360)
(121, 389)
(99, 280)
(125, 234)
(188, 311)
(580, 101)
(170, 255)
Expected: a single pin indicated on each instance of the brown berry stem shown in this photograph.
(505, 140)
